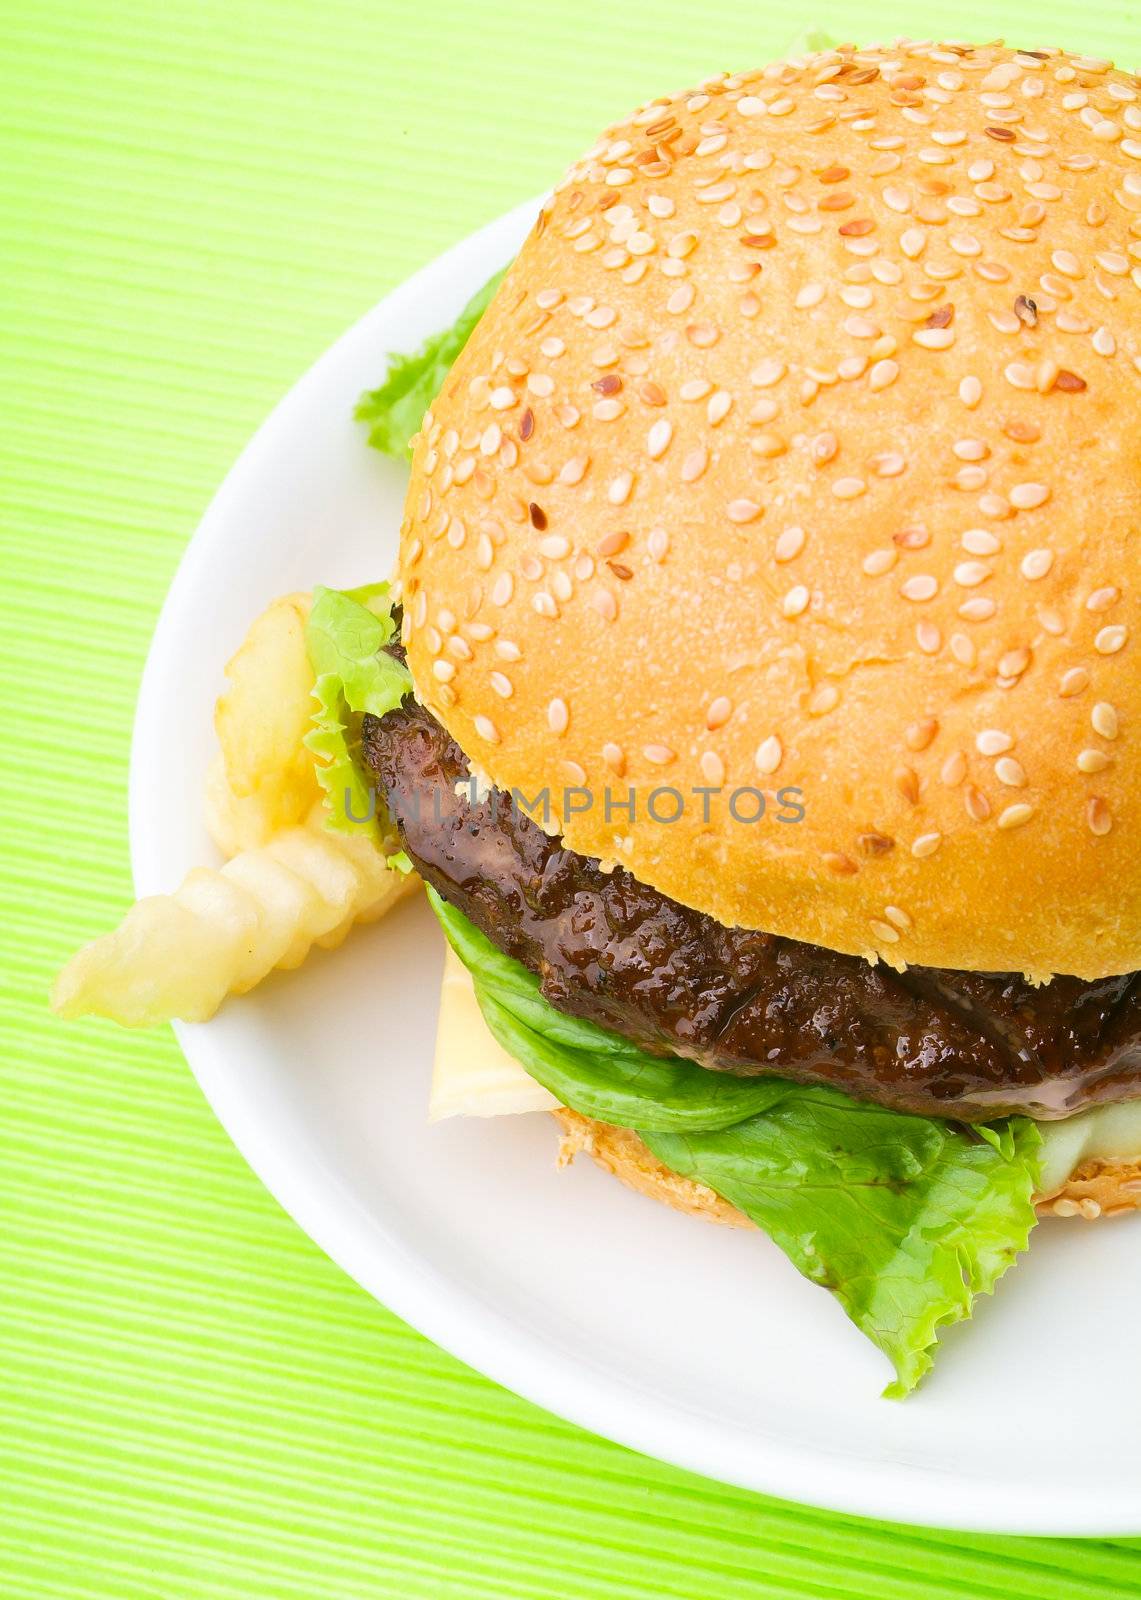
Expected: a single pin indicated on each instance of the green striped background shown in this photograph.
(196, 198)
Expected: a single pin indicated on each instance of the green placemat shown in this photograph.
(195, 1403)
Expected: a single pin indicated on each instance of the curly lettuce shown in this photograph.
(345, 638)
(904, 1219)
(395, 410)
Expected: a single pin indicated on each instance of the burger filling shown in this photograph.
(973, 1046)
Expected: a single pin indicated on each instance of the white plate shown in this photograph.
(696, 1344)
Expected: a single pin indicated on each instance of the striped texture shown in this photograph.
(195, 1403)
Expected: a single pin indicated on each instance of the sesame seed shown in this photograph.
(486, 729)
(993, 742)
(934, 338)
(1098, 817)
(502, 589)
(1036, 563)
(883, 374)
(1073, 682)
(789, 544)
(848, 488)
(618, 491)
(954, 769)
(712, 767)
(824, 448)
(659, 438)
(1110, 640)
(912, 241)
(614, 758)
(769, 754)
(766, 373)
(884, 931)
(1093, 761)
(694, 465)
(1101, 599)
(970, 392)
(1010, 772)
(839, 863)
(920, 734)
(928, 637)
(907, 783)
(926, 844)
(1014, 816)
(976, 803)
(919, 587)
(743, 510)
(969, 574)
(611, 543)
(980, 542)
(1105, 720)
(719, 712)
(795, 601)
(825, 699)
(1027, 496)
(660, 755)
(1013, 663)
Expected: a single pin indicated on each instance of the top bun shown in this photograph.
(801, 448)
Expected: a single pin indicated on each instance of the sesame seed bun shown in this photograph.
(799, 450)
(1095, 1189)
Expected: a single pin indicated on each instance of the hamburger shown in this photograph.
(756, 688)
(797, 459)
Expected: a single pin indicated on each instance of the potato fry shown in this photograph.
(236, 823)
(180, 955)
(260, 720)
(289, 883)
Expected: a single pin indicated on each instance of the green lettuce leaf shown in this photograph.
(396, 409)
(588, 1067)
(345, 638)
(905, 1219)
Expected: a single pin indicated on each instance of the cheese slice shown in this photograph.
(473, 1075)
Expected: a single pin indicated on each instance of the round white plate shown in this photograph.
(696, 1344)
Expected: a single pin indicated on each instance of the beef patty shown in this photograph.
(967, 1045)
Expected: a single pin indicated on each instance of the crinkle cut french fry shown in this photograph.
(222, 931)
(261, 720)
(238, 822)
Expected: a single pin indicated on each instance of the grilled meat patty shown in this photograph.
(972, 1046)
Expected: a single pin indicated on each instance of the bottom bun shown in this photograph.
(1094, 1189)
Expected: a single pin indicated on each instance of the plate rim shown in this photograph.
(480, 1335)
